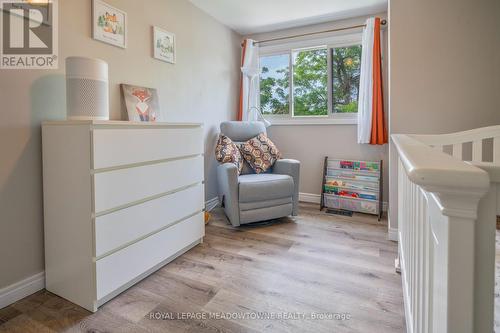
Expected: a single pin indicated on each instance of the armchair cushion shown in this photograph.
(226, 151)
(242, 130)
(244, 206)
(264, 187)
(260, 153)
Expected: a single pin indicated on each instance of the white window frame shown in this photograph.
(305, 44)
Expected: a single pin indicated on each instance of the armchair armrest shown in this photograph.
(227, 177)
(292, 168)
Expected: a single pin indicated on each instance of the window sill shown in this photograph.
(311, 121)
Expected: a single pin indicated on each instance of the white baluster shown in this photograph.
(438, 147)
(416, 300)
(496, 150)
(477, 151)
(457, 151)
(421, 244)
(426, 271)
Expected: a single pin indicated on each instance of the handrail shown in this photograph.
(464, 136)
(437, 172)
(492, 169)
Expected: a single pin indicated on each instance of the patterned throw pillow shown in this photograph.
(226, 151)
(260, 153)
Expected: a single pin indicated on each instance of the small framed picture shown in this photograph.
(142, 103)
(163, 45)
(109, 24)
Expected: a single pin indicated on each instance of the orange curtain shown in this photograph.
(379, 130)
(240, 108)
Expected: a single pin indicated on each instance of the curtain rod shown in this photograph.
(382, 22)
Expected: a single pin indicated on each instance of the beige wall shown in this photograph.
(311, 143)
(444, 68)
(443, 57)
(201, 87)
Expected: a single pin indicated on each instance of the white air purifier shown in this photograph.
(87, 89)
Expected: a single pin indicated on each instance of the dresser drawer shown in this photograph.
(124, 186)
(115, 147)
(119, 268)
(126, 225)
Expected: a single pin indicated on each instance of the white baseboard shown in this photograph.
(309, 197)
(211, 204)
(21, 289)
(316, 198)
(393, 234)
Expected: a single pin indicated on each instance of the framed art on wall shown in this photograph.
(164, 45)
(109, 24)
(142, 103)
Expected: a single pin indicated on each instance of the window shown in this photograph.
(274, 91)
(310, 82)
(346, 69)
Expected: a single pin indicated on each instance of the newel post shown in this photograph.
(457, 260)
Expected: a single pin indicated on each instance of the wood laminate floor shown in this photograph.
(313, 273)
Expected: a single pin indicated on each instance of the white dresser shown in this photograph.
(121, 200)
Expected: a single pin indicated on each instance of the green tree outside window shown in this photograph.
(310, 81)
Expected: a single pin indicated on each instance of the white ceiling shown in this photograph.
(255, 16)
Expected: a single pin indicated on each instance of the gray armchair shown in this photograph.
(252, 197)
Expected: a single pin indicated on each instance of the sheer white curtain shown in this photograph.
(365, 103)
(250, 85)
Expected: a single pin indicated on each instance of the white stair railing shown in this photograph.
(487, 159)
(457, 140)
(446, 226)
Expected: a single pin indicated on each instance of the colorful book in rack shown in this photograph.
(336, 182)
(348, 175)
(350, 194)
(339, 202)
(367, 196)
(346, 164)
(372, 166)
(359, 165)
(349, 184)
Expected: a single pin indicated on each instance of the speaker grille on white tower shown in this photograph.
(87, 88)
(87, 99)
